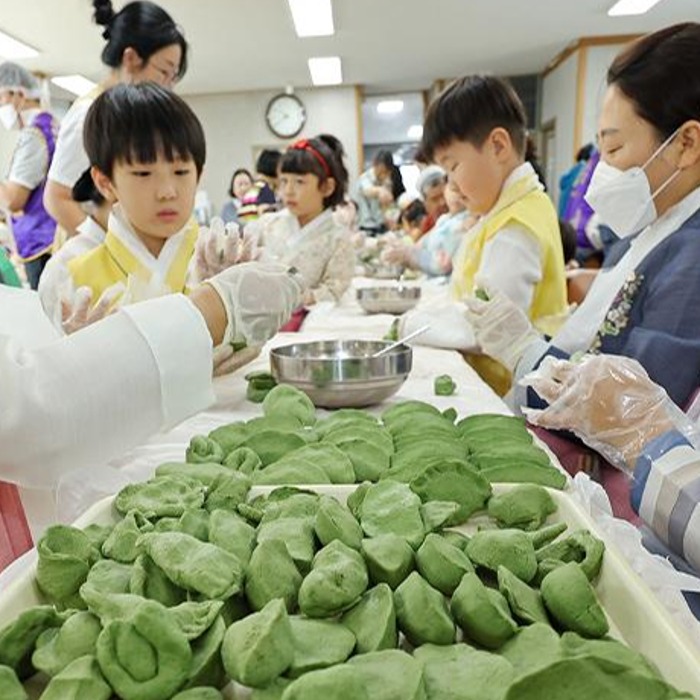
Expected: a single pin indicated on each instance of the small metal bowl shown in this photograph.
(388, 300)
(384, 272)
(342, 373)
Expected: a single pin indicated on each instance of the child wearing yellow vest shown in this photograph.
(476, 130)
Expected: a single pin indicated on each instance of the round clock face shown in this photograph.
(285, 116)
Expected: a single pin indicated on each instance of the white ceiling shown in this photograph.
(386, 45)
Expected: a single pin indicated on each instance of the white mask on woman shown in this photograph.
(9, 116)
(623, 198)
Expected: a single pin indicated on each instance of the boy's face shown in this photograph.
(157, 198)
(477, 172)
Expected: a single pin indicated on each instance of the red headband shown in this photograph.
(304, 145)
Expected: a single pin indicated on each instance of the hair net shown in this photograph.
(17, 78)
(430, 176)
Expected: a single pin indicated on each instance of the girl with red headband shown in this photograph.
(312, 182)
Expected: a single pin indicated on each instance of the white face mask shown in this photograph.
(9, 117)
(623, 198)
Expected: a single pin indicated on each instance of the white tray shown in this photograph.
(635, 615)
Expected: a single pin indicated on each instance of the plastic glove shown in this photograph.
(397, 253)
(258, 298)
(607, 401)
(77, 310)
(226, 360)
(501, 328)
(221, 245)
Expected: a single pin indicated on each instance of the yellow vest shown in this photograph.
(113, 262)
(534, 212)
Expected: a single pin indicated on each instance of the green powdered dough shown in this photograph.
(121, 543)
(243, 460)
(291, 470)
(199, 694)
(465, 675)
(390, 675)
(285, 400)
(389, 558)
(229, 436)
(193, 618)
(271, 574)
(80, 679)
(271, 445)
(161, 497)
(335, 522)
(510, 548)
(318, 644)
(422, 612)
(56, 648)
(337, 580)
(149, 580)
(98, 534)
(532, 648)
(571, 600)
(227, 492)
(392, 508)
(230, 532)
(204, 449)
(145, 656)
(259, 648)
(10, 687)
(453, 481)
(369, 460)
(525, 602)
(65, 557)
(373, 620)
(442, 564)
(437, 515)
(298, 536)
(330, 459)
(342, 682)
(444, 385)
(193, 565)
(525, 507)
(110, 576)
(482, 613)
(207, 668)
(204, 472)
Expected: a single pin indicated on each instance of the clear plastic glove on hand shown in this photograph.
(259, 298)
(77, 310)
(221, 245)
(226, 360)
(608, 401)
(397, 253)
(502, 329)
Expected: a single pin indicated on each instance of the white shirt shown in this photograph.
(76, 402)
(30, 159)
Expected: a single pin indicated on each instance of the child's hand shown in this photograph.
(220, 246)
(78, 312)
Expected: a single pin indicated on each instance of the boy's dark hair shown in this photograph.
(129, 123)
(659, 73)
(384, 158)
(268, 162)
(236, 173)
(321, 156)
(85, 190)
(142, 26)
(469, 110)
(568, 240)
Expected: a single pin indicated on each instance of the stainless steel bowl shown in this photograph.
(388, 300)
(342, 373)
(384, 272)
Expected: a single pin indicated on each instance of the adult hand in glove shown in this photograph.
(258, 298)
(226, 360)
(397, 253)
(502, 329)
(608, 401)
(221, 245)
(77, 310)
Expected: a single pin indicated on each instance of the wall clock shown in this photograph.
(285, 115)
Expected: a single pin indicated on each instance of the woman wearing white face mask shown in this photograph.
(22, 193)
(644, 303)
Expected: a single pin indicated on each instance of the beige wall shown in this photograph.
(234, 124)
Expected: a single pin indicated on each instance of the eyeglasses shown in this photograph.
(170, 75)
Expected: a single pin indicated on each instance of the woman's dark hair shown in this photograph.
(384, 158)
(236, 173)
(585, 152)
(139, 122)
(659, 74)
(397, 186)
(268, 162)
(308, 157)
(142, 26)
(85, 190)
(568, 240)
(414, 213)
(469, 110)
(533, 160)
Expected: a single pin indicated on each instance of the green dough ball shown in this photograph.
(336, 522)
(342, 682)
(272, 574)
(422, 612)
(230, 532)
(390, 675)
(80, 679)
(373, 620)
(570, 599)
(259, 648)
(510, 548)
(525, 507)
(442, 564)
(204, 449)
(531, 648)
(286, 400)
(525, 602)
(392, 508)
(298, 536)
(318, 644)
(482, 613)
(10, 687)
(337, 580)
(444, 385)
(389, 558)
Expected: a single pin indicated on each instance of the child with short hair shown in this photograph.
(476, 130)
(305, 234)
